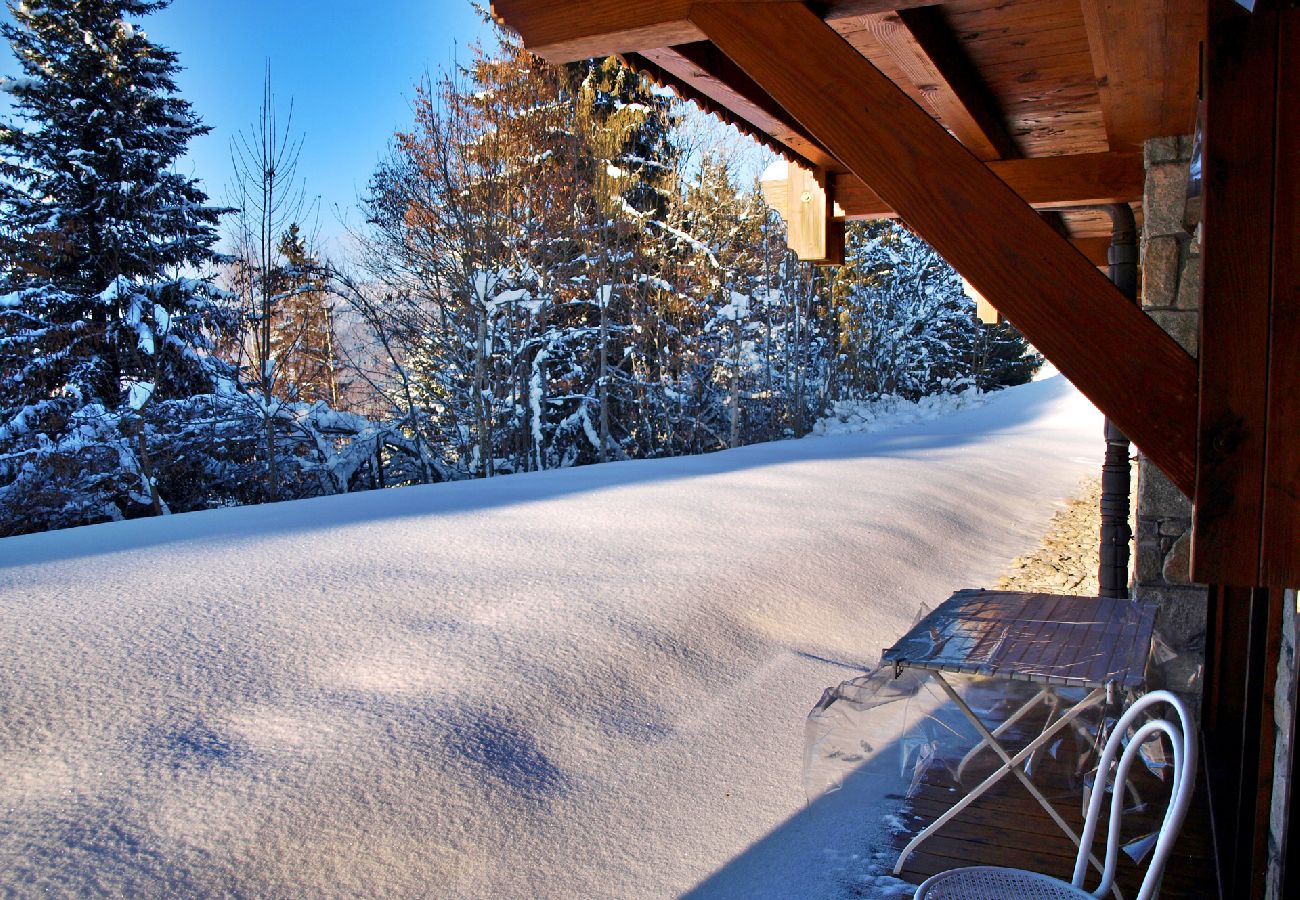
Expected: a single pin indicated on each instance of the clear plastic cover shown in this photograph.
(910, 723)
(895, 733)
(1048, 638)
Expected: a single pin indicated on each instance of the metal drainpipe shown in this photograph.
(1115, 475)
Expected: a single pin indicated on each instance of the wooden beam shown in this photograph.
(569, 30)
(929, 54)
(1240, 116)
(565, 31)
(1144, 56)
(1046, 182)
(1095, 249)
(1104, 344)
(706, 103)
(814, 223)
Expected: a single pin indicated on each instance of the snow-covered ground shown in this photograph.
(588, 683)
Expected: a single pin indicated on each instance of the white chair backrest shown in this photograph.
(1183, 738)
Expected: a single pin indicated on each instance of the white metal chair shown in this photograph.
(994, 883)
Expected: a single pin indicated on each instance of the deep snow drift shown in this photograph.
(587, 683)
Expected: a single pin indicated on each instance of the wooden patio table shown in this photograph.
(1095, 643)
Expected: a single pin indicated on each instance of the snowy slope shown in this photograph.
(586, 683)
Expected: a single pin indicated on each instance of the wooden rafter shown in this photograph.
(1095, 336)
(1049, 182)
(928, 53)
(1144, 56)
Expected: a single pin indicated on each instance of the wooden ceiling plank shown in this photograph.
(1102, 342)
(1046, 182)
(930, 56)
(1002, 17)
(1144, 56)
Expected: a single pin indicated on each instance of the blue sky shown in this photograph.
(349, 66)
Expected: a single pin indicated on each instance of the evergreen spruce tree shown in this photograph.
(102, 319)
(905, 326)
(303, 339)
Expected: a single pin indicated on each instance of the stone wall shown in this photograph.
(1171, 294)
(1284, 723)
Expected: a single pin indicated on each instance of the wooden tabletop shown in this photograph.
(1056, 639)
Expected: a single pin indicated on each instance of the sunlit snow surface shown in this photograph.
(588, 683)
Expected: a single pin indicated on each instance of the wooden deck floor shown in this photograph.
(1007, 827)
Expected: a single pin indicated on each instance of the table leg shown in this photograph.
(1010, 766)
(998, 732)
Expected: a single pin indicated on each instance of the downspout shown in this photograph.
(1116, 534)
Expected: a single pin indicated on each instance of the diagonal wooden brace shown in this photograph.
(1112, 351)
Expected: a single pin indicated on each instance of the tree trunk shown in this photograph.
(146, 467)
(481, 412)
(734, 440)
(603, 384)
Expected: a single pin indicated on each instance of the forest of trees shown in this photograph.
(556, 267)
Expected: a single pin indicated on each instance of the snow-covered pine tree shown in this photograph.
(905, 326)
(1003, 358)
(304, 342)
(102, 317)
(629, 159)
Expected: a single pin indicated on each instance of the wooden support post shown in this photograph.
(1062, 304)
(1248, 482)
(984, 310)
(1280, 561)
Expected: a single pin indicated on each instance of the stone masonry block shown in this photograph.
(1157, 496)
(1167, 150)
(1149, 563)
(1181, 623)
(1181, 325)
(1165, 200)
(1178, 562)
(1175, 527)
(1160, 271)
(1189, 282)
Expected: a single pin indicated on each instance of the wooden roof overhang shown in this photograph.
(969, 119)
